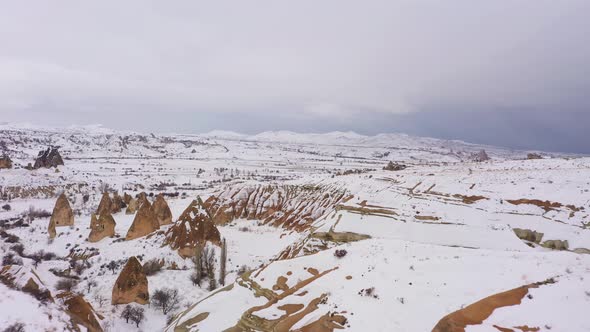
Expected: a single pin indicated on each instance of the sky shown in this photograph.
(508, 73)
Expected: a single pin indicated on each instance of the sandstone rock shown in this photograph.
(105, 205)
(131, 285)
(101, 226)
(132, 206)
(528, 235)
(62, 212)
(556, 244)
(26, 280)
(51, 229)
(118, 203)
(145, 222)
(287, 206)
(162, 211)
(48, 158)
(193, 228)
(5, 162)
(142, 199)
(81, 311)
(533, 156)
(127, 198)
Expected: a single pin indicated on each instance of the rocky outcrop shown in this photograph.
(62, 212)
(127, 198)
(131, 285)
(289, 206)
(51, 229)
(101, 226)
(132, 206)
(391, 166)
(528, 235)
(145, 222)
(118, 203)
(162, 211)
(534, 156)
(480, 156)
(193, 228)
(26, 280)
(556, 244)
(81, 311)
(48, 158)
(105, 205)
(5, 162)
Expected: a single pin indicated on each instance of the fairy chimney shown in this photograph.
(131, 285)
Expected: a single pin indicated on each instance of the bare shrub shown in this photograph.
(152, 267)
(223, 262)
(166, 299)
(33, 213)
(18, 248)
(137, 315)
(11, 259)
(6, 207)
(66, 284)
(244, 229)
(9, 238)
(340, 253)
(16, 327)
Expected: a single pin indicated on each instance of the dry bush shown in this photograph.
(152, 267)
(66, 284)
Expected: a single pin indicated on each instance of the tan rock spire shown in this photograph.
(131, 285)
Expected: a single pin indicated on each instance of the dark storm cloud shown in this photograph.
(513, 73)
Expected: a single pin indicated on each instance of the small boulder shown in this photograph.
(162, 211)
(131, 285)
(556, 244)
(144, 223)
(62, 212)
(391, 166)
(5, 162)
(101, 226)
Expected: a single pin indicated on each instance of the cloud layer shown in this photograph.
(371, 66)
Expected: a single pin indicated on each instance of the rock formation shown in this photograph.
(533, 156)
(480, 156)
(105, 205)
(528, 235)
(118, 203)
(193, 228)
(288, 206)
(81, 311)
(5, 162)
(62, 212)
(48, 158)
(127, 198)
(145, 222)
(101, 226)
(51, 229)
(131, 285)
(391, 166)
(132, 206)
(26, 280)
(162, 211)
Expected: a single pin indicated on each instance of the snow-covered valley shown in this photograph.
(319, 234)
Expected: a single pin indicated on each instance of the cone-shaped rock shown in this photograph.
(131, 285)
(127, 198)
(105, 205)
(118, 203)
(145, 222)
(194, 227)
(132, 206)
(101, 226)
(162, 211)
(142, 199)
(62, 212)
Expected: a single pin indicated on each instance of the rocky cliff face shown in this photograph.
(288, 206)
(48, 158)
(62, 212)
(131, 285)
(162, 211)
(193, 228)
(101, 226)
(145, 222)
(81, 312)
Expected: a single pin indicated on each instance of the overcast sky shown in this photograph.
(512, 73)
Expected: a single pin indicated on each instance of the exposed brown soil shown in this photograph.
(469, 199)
(545, 205)
(479, 311)
(433, 218)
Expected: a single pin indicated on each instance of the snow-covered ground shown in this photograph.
(440, 233)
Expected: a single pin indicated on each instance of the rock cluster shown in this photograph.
(5, 162)
(193, 228)
(48, 158)
(528, 235)
(101, 226)
(62, 215)
(131, 285)
(480, 156)
(391, 166)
